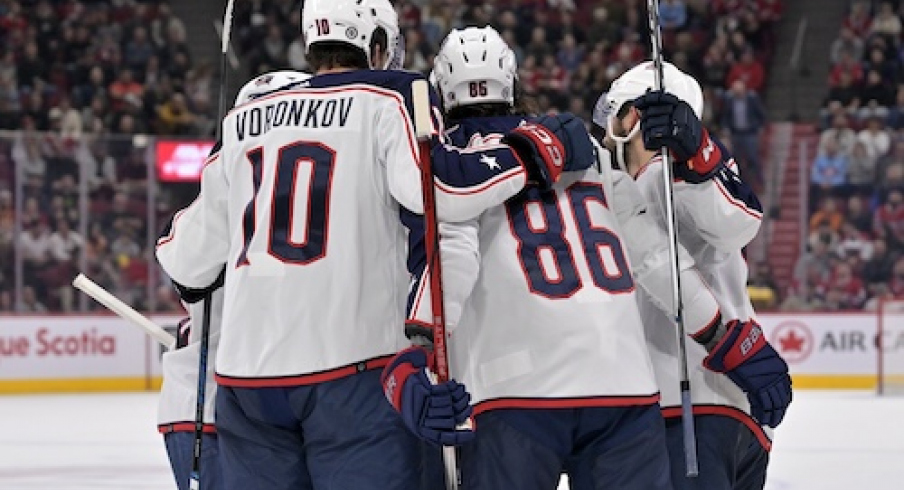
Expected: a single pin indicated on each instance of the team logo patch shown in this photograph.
(263, 80)
(351, 33)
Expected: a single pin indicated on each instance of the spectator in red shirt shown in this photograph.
(859, 19)
(555, 78)
(124, 91)
(844, 291)
(769, 11)
(529, 74)
(750, 70)
(846, 64)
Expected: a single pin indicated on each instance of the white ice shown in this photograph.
(830, 441)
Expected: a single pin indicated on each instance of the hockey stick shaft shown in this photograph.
(125, 311)
(195, 479)
(224, 51)
(422, 126)
(687, 413)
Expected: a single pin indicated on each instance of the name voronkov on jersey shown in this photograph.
(308, 113)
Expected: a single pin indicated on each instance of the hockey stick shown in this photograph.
(687, 413)
(125, 311)
(420, 95)
(224, 51)
(195, 478)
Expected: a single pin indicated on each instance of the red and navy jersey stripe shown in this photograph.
(571, 402)
(725, 411)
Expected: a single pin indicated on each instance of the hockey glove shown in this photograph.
(666, 120)
(193, 295)
(549, 145)
(745, 356)
(432, 411)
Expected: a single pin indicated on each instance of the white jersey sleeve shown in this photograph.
(195, 244)
(721, 211)
(465, 185)
(716, 218)
(651, 261)
(177, 404)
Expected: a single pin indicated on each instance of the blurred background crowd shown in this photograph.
(86, 85)
(855, 235)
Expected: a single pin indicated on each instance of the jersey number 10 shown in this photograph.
(533, 241)
(290, 159)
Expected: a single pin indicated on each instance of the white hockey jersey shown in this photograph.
(715, 219)
(178, 395)
(302, 203)
(539, 295)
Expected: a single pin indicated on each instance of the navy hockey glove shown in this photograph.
(550, 145)
(432, 411)
(666, 120)
(745, 356)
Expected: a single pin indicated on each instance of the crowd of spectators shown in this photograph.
(80, 83)
(569, 51)
(855, 242)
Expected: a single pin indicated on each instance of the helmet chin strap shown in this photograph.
(621, 141)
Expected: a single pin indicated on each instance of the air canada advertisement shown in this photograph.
(837, 350)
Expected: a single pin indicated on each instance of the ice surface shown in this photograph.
(830, 441)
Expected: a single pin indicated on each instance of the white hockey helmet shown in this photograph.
(636, 82)
(268, 82)
(474, 66)
(387, 18)
(345, 21)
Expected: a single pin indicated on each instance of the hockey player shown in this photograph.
(178, 395)
(717, 215)
(302, 204)
(541, 302)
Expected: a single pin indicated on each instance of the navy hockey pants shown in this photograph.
(336, 435)
(729, 455)
(180, 447)
(599, 448)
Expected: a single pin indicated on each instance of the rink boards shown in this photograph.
(76, 353)
(104, 353)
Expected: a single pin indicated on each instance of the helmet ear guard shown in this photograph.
(475, 66)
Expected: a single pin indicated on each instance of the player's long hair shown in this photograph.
(336, 54)
(523, 105)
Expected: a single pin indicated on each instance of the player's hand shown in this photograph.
(193, 295)
(666, 120)
(549, 145)
(434, 412)
(747, 358)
